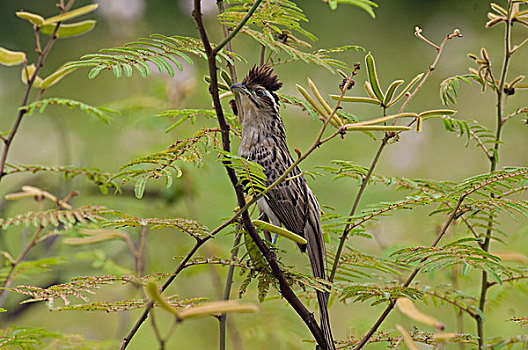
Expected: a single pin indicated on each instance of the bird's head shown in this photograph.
(257, 92)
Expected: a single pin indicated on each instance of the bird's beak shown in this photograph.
(240, 87)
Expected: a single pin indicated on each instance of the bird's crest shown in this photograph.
(264, 76)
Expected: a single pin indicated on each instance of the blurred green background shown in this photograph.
(60, 136)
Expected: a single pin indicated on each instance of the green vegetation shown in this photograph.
(131, 212)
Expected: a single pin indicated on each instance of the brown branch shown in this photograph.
(453, 302)
(150, 305)
(509, 279)
(9, 278)
(413, 274)
(23, 111)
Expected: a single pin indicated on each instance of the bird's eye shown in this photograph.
(260, 92)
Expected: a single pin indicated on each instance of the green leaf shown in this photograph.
(266, 226)
(373, 76)
(72, 14)
(406, 89)
(69, 30)
(102, 113)
(357, 99)
(55, 77)
(95, 71)
(391, 90)
(11, 58)
(139, 188)
(366, 5)
(38, 20)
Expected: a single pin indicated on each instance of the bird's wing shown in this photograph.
(294, 204)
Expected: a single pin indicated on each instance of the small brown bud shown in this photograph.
(297, 152)
(509, 91)
(349, 84)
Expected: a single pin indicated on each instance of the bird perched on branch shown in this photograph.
(291, 203)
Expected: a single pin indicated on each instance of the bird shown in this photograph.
(291, 203)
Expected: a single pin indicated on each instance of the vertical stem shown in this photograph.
(140, 259)
(227, 291)
(494, 159)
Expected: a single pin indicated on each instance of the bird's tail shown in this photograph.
(316, 253)
(316, 248)
(322, 298)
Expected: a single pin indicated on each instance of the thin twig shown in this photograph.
(9, 278)
(150, 305)
(237, 28)
(157, 332)
(413, 274)
(262, 55)
(509, 279)
(29, 85)
(348, 226)
(384, 143)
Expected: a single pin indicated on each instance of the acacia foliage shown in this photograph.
(479, 204)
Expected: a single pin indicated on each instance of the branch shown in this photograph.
(453, 302)
(413, 274)
(22, 112)
(9, 278)
(384, 143)
(270, 256)
(237, 28)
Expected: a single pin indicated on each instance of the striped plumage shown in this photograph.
(291, 203)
